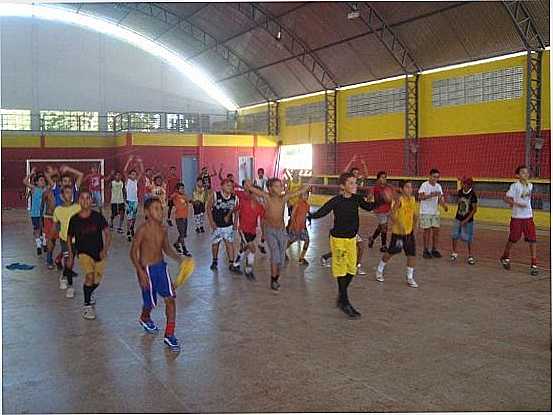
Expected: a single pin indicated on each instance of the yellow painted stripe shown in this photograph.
(496, 216)
(266, 141)
(165, 139)
(228, 140)
(20, 140)
(82, 141)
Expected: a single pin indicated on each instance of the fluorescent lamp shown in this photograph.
(96, 24)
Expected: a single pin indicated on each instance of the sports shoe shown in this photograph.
(202, 230)
(149, 326)
(506, 263)
(169, 222)
(371, 241)
(51, 266)
(70, 292)
(303, 261)
(275, 286)
(111, 226)
(426, 254)
(262, 249)
(235, 269)
(360, 271)
(351, 312)
(186, 253)
(213, 266)
(249, 275)
(324, 262)
(120, 230)
(412, 283)
(534, 271)
(471, 260)
(172, 343)
(63, 282)
(197, 230)
(435, 253)
(89, 313)
(379, 276)
(39, 251)
(383, 249)
(177, 247)
(453, 256)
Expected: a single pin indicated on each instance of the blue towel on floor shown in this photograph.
(18, 266)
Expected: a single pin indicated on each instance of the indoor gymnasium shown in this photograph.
(275, 207)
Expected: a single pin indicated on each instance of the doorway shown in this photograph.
(189, 173)
(245, 169)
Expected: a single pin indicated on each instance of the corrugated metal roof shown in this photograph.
(436, 33)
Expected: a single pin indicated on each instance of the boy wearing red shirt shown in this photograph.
(180, 202)
(249, 213)
(382, 212)
(94, 182)
(172, 181)
(297, 231)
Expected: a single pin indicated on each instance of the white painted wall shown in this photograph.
(53, 66)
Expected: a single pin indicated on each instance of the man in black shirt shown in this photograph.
(92, 241)
(345, 207)
(463, 228)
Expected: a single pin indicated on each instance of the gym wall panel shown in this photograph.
(20, 140)
(266, 141)
(374, 127)
(165, 139)
(67, 140)
(313, 132)
(210, 140)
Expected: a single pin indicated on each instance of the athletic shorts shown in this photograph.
(159, 282)
(344, 256)
(464, 233)
(430, 221)
(521, 227)
(405, 242)
(37, 223)
(246, 237)
(382, 218)
(295, 236)
(89, 266)
(199, 207)
(277, 241)
(97, 197)
(132, 209)
(50, 229)
(222, 234)
(117, 209)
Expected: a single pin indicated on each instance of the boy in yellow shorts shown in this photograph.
(92, 241)
(403, 219)
(343, 243)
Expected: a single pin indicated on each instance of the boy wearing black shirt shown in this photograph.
(463, 228)
(92, 241)
(343, 236)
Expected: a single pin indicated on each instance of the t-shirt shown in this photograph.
(62, 215)
(199, 195)
(378, 192)
(117, 192)
(465, 204)
(402, 215)
(36, 202)
(132, 190)
(181, 206)
(206, 180)
(248, 212)
(294, 187)
(57, 190)
(261, 182)
(299, 214)
(148, 184)
(88, 234)
(95, 182)
(222, 207)
(172, 184)
(346, 214)
(430, 206)
(521, 194)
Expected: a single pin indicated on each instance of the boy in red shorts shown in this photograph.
(297, 230)
(382, 212)
(519, 197)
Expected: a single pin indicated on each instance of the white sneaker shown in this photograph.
(324, 262)
(412, 283)
(88, 312)
(63, 282)
(361, 271)
(379, 276)
(70, 293)
(453, 257)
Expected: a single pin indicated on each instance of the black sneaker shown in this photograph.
(371, 241)
(111, 226)
(129, 237)
(169, 222)
(202, 230)
(213, 266)
(198, 230)
(350, 311)
(177, 247)
(534, 271)
(506, 263)
(120, 230)
(186, 253)
(234, 269)
(436, 254)
(426, 254)
(383, 249)
(39, 251)
(275, 286)
(262, 249)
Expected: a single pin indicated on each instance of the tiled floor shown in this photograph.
(468, 339)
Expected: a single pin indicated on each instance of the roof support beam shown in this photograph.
(389, 38)
(524, 24)
(205, 39)
(182, 19)
(291, 42)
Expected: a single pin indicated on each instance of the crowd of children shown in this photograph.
(62, 202)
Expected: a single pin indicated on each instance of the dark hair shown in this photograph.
(402, 183)
(353, 168)
(519, 168)
(149, 202)
(83, 190)
(149, 168)
(225, 181)
(133, 171)
(261, 170)
(272, 181)
(380, 173)
(158, 177)
(179, 185)
(173, 167)
(230, 175)
(66, 175)
(344, 178)
(434, 171)
(199, 179)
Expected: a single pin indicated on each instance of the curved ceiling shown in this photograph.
(264, 51)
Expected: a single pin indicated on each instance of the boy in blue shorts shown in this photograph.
(463, 227)
(147, 255)
(37, 189)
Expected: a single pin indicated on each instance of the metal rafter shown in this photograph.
(272, 118)
(411, 143)
(291, 42)
(534, 141)
(191, 30)
(188, 16)
(389, 38)
(331, 130)
(524, 24)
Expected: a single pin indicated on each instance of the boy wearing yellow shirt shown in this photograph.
(403, 219)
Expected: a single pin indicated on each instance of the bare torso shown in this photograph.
(274, 212)
(49, 202)
(150, 237)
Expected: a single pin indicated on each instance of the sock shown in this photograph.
(170, 328)
(383, 238)
(250, 259)
(534, 261)
(410, 271)
(87, 292)
(145, 315)
(327, 256)
(38, 242)
(381, 266)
